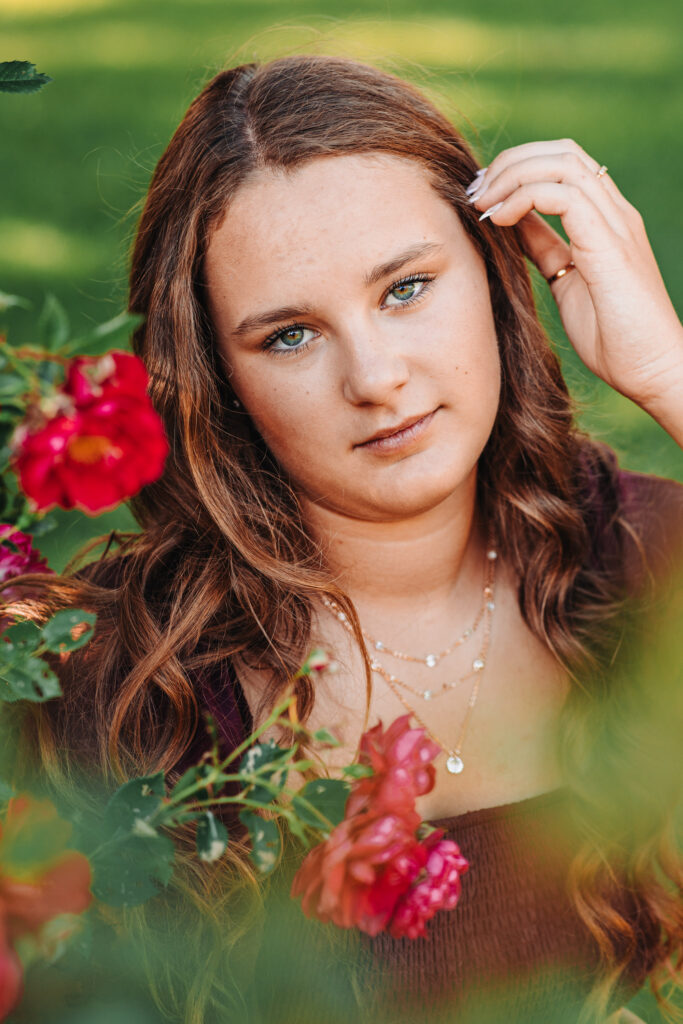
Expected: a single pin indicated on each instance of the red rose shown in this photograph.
(88, 379)
(96, 443)
(436, 888)
(401, 761)
(357, 875)
(31, 894)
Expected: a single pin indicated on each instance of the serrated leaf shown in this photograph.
(21, 76)
(212, 837)
(106, 336)
(266, 759)
(139, 798)
(57, 631)
(30, 679)
(357, 771)
(13, 302)
(265, 840)
(328, 796)
(53, 323)
(325, 736)
(129, 872)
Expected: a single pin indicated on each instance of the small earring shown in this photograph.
(236, 404)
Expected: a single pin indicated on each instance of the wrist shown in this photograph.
(663, 398)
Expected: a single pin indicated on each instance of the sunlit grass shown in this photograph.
(29, 246)
(446, 42)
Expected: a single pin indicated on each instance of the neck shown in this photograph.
(432, 560)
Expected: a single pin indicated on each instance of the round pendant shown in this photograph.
(454, 764)
(431, 660)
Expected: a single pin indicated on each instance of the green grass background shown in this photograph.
(75, 158)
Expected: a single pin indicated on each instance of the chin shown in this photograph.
(411, 497)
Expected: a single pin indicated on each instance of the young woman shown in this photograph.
(373, 450)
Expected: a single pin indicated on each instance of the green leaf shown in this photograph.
(11, 385)
(129, 872)
(212, 838)
(30, 679)
(136, 800)
(358, 771)
(19, 641)
(21, 76)
(6, 791)
(265, 760)
(13, 301)
(328, 796)
(107, 335)
(57, 632)
(325, 736)
(265, 840)
(53, 323)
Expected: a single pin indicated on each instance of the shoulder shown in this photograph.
(651, 509)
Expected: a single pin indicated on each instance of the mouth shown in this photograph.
(400, 434)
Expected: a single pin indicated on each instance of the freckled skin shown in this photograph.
(308, 237)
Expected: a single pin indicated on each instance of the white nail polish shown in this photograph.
(491, 209)
(475, 184)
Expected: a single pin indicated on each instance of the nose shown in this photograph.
(373, 369)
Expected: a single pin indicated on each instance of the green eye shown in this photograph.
(404, 291)
(290, 339)
(408, 290)
(292, 336)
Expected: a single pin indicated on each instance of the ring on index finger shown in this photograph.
(601, 171)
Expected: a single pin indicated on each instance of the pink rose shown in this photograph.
(17, 556)
(401, 760)
(357, 875)
(436, 888)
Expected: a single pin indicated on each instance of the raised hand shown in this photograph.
(613, 302)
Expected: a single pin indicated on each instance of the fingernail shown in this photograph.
(476, 181)
(491, 209)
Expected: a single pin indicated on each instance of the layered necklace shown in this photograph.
(454, 762)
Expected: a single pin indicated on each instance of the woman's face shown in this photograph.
(349, 301)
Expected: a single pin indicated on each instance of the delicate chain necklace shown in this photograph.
(454, 763)
(430, 660)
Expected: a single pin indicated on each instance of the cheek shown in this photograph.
(288, 420)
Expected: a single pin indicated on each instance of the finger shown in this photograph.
(549, 147)
(543, 245)
(587, 229)
(564, 168)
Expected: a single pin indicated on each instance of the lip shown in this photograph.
(394, 437)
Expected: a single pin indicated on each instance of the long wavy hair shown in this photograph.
(224, 567)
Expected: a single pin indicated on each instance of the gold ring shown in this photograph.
(561, 272)
(603, 170)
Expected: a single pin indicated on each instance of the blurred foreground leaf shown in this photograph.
(21, 76)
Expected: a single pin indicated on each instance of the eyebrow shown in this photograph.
(272, 316)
